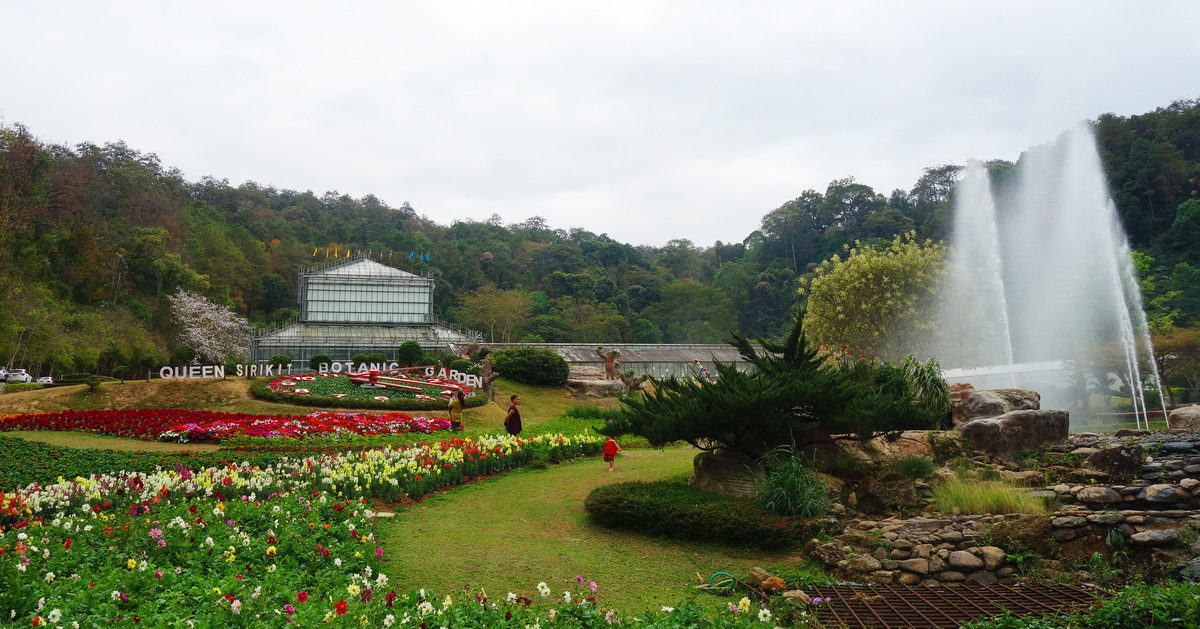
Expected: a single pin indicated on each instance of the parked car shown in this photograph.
(19, 375)
(3, 374)
(45, 380)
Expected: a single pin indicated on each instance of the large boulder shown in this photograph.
(724, 473)
(1122, 462)
(884, 493)
(968, 404)
(1017, 431)
(1185, 418)
(591, 382)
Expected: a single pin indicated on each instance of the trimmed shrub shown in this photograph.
(462, 365)
(18, 387)
(531, 365)
(315, 362)
(280, 360)
(359, 359)
(674, 510)
(120, 371)
(410, 353)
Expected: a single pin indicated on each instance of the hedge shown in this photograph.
(674, 510)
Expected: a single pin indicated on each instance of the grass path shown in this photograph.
(510, 532)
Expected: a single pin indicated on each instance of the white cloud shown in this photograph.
(644, 120)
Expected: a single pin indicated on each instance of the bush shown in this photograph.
(359, 359)
(120, 371)
(280, 360)
(461, 365)
(790, 487)
(531, 365)
(672, 509)
(18, 387)
(914, 467)
(409, 353)
(315, 362)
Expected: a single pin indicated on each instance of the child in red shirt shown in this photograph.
(610, 452)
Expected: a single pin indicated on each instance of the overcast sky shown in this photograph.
(647, 121)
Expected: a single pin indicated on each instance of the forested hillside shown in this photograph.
(94, 237)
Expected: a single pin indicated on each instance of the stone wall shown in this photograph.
(915, 551)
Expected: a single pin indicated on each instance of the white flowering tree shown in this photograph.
(216, 332)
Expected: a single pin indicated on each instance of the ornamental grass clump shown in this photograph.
(956, 495)
(790, 487)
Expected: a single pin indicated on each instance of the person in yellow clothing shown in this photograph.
(457, 404)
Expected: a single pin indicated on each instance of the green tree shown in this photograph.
(691, 312)
(183, 355)
(791, 396)
(878, 300)
(501, 314)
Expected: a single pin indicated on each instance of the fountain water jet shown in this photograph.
(1041, 274)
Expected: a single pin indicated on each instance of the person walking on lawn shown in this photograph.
(610, 452)
(512, 421)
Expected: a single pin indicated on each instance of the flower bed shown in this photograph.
(269, 545)
(185, 426)
(400, 385)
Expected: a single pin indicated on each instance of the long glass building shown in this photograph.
(358, 306)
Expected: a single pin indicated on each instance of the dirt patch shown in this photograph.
(98, 442)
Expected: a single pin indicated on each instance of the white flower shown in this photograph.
(424, 608)
(41, 603)
(22, 536)
(236, 606)
(54, 616)
(511, 597)
(271, 568)
(543, 589)
(567, 596)
(389, 620)
(447, 602)
(667, 609)
(49, 578)
(744, 605)
(764, 615)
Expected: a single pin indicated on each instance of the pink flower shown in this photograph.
(158, 574)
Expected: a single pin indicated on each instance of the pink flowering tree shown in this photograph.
(216, 332)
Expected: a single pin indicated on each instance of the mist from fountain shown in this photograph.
(1041, 275)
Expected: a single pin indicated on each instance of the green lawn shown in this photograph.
(511, 532)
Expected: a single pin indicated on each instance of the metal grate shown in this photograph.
(899, 607)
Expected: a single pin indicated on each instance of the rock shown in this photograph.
(758, 576)
(798, 595)
(1006, 571)
(899, 554)
(983, 577)
(882, 577)
(724, 473)
(1106, 517)
(1017, 431)
(971, 405)
(992, 556)
(1130, 432)
(1026, 478)
(1164, 537)
(1065, 535)
(923, 551)
(1168, 555)
(1068, 521)
(908, 578)
(1189, 484)
(964, 561)
(919, 566)
(1185, 418)
(886, 492)
(597, 388)
(865, 563)
(1123, 461)
(1165, 493)
(828, 554)
(1084, 451)
(951, 575)
(1098, 495)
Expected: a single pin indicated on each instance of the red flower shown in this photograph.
(67, 544)
(341, 606)
(301, 596)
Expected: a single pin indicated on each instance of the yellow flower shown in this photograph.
(131, 564)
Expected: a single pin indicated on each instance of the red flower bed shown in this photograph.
(182, 425)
